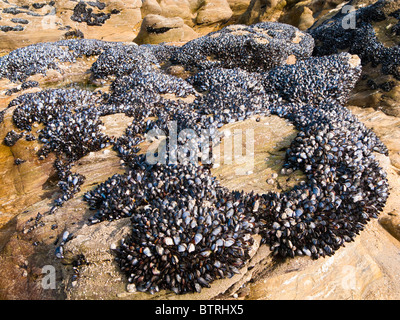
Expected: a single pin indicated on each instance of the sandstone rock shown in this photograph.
(25, 184)
(306, 19)
(157, 22)
(367, 268)
(239, 6)
(117, 19)
(391, 222)
(262, 10)
(300, 14)
(362, 270)
(268, 159)
(114, 20)
(214, 11)
(157, 29)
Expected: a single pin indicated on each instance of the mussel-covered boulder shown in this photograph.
(231, 94)
(147, 88)
(259, 47)
(157, 29)
(21, 63)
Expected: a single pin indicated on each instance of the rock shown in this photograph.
(300, 14)
(306, 19)
(51, 21)
(391, 222)
(213, 12)
(262, 10)
(157, 29)
(267, 158)
(156, 23)
(317, 74)
(238, 7)
(354, 273)
(33, 196)
(303, 13)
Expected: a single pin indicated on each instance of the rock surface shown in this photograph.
(105, 20)
(213, 12)
(374, 37)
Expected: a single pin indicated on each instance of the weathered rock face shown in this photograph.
(386, 127)
(26, 22)
(57, 20)
(362, 270)
(130, 93)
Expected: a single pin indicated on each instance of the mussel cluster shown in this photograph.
(84, 14)
(11, 138)
(70, 117)
(255, 48)
(187, 230)
(21, 63)
(243, 89)
(345, 186)
(362, 40)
